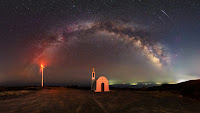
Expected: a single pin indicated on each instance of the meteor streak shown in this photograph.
(166, 15)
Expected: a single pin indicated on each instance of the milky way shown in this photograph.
(149, 47)
(139, 38)
(132, 40)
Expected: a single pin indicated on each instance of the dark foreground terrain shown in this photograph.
(68, 100)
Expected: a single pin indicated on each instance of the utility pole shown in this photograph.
(42, 75)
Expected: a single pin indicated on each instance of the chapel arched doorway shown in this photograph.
(102, 87)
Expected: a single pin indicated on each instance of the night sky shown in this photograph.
(125, 40)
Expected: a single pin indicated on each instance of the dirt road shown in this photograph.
(66, 100)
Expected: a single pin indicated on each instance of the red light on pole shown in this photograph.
(42, 75)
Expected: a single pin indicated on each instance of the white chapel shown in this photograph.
(99, 85)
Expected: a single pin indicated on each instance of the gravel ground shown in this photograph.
(66, 100)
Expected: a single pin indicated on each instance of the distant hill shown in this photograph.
(189, 88)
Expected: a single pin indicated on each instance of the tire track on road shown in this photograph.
(100, 105)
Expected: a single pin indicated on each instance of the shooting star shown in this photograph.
(167, 15)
